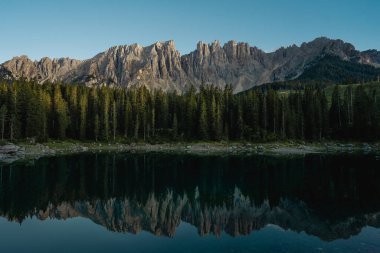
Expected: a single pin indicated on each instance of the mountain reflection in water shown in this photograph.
(332, 197)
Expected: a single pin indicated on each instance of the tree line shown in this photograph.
(55, 111)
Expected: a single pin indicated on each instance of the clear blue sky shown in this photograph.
(82, 28)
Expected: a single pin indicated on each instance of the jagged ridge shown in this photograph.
(161, 66)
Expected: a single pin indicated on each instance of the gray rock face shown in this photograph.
(371, 57)
(44, 70)
(157, 66)
(5, 74)
(161, 65)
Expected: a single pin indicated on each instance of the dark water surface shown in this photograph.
(183, 203)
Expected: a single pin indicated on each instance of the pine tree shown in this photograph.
(228, 111)
(320, 117)
(361, 108)
(72, 100)
(96, 127)
(212, 118)
(309, 113)
(335, 113)
(202, 121)
(153, 114)
(299, 112)
(251, 111)
(162, 110)
(61, 118)
(142, 98)
(13, 122)
(114, 120)
(3, 114)
(264, 116)
(93, 110)
(24, 109)
(348, 102)
(137, 125)
(45, 112)
(377, 115)
(127, 117)
(105, 114)
(284, 110)
(240, 124)
(218, 123)
(83, 116)
(272, 109)
(34, 117)
(175, 126)
(191, 111)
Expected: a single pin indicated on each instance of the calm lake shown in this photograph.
(122, 202)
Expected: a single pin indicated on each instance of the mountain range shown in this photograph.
(161, 66)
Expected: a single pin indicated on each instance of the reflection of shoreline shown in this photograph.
(24, 151)
(161, 216)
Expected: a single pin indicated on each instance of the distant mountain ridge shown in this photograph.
(161, 66)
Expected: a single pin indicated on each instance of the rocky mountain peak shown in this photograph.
(215, 45)
(161, 66)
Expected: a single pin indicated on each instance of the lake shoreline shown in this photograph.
(10, 152)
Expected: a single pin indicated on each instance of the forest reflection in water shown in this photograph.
(331, 197)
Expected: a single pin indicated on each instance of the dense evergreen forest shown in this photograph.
(332, 69)
(327, 71)
(53, 111)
